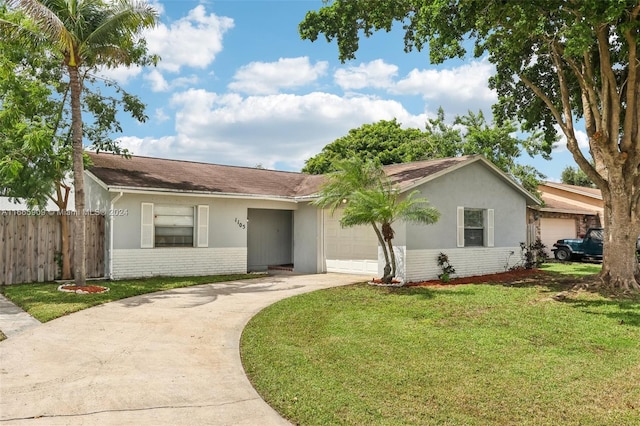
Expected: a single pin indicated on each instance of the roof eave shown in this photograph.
(572, 190)
(193, 193)
(569, 211)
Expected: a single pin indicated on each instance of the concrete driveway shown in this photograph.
(168, 358)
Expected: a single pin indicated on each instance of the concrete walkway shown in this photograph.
(168, 358)
(14, 320)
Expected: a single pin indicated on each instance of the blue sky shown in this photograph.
(236, 85)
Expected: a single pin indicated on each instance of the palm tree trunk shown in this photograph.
(78, 179)
(386, 276)
(394, 266)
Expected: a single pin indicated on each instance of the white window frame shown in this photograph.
(200, 226)
(489, 226)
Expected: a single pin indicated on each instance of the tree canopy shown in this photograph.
(83, 35)
(385, 141)
(35, 118)
(388, 143)
(575, 176)
(557, 62)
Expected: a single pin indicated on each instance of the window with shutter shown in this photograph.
(146, 227)
(460, 234)
(173, 225)
(490, 228)
(203, 226)
(475, 227)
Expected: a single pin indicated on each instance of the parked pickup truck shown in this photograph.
(587, 248)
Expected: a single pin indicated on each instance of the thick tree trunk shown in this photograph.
(78, 179)
(620, 268)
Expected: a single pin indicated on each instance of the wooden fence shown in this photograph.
(30, 246)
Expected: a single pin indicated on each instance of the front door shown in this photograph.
(269, 239)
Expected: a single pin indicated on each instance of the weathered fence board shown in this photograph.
(30, 246)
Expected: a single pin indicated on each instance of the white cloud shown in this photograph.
(192, 41)
(376, 73)
(121, 75)
(457, 90)
(159, 7)
(160, 115)
(157, 80)
(263, 78)
(160, 84)
(581, 136)
(468, 81)
(283, 129)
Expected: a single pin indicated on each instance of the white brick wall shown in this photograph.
(423, 264)
(135, 263)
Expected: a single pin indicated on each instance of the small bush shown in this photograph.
(447, 269)
(532, 255)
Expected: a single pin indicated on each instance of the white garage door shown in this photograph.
(553, 229)
(349, 250)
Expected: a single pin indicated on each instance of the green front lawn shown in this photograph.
(44, 302)
(571, 268)
(459, 355)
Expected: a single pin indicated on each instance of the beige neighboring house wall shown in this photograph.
(567, 211)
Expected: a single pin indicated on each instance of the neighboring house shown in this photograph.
(567, 212)
(168, 217)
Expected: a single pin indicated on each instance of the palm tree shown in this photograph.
(87, 34)
(370, 198)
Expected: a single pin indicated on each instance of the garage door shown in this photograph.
(349, 250)
(553, 229)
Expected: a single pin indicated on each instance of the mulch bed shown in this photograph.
(83, 289)
(498, 278)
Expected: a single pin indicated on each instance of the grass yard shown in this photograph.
(459, 355)
(44, 302)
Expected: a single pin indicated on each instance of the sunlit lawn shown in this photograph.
(461, 355)
(571, 268)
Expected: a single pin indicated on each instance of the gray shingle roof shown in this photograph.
(157, 173)
(186, 176)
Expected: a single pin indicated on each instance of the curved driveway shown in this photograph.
(168, 358)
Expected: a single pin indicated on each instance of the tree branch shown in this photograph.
(565, 124)
(610, 99)
(630, 119)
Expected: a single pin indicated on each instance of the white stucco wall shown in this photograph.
(227, 242)
(417, 246)
(352, 250)
(307, 255)
(473, 186)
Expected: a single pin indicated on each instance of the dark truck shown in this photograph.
(587, 248)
